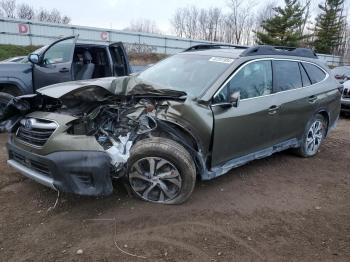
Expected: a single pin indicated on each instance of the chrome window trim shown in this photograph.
(270, 59)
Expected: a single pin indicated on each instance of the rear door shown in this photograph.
(120, 61)
(296, 96)
(249, 127)
(55, 64)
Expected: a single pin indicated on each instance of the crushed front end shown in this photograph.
(79, 146)
(42, 150)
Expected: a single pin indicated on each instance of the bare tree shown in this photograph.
(66, 20)
(239, 17)
(203, 27)
(214, 16)
(55, 17)
(178, 22)
(248, 33)
(25, 11)
(43, 15)
(191, 21)
(346, 52)
(307, 4)
(144, 25)
(212, 25)
(9, 7)
(265, 12)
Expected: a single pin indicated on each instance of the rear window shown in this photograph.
(304, 76)
(286, 75)
(315, 74)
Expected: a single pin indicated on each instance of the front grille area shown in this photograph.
(32, 164)
(35, 131)
(346, 93)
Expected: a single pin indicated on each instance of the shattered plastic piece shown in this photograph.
(120, 151)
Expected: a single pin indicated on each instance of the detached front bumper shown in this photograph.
(79, 172)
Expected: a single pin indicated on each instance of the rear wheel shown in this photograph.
(4, 99)
(161, 171)
(313, 136)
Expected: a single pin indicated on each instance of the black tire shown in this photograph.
(304, 149)
(166, 151)
(4, 99)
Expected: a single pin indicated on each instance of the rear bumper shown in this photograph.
(79, 172)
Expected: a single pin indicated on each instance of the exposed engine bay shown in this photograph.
(117, 126)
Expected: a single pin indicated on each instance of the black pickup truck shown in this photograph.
(63, 60)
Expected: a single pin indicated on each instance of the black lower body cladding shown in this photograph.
(79, 172)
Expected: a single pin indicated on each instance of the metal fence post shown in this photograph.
(30, 34)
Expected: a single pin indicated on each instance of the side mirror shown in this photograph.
(234, 98)
(33, 58)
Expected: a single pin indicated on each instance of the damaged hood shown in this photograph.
(102, 88)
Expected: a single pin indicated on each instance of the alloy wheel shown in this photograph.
(155, 179)
(314, 137)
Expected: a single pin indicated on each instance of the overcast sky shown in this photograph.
(117, 14)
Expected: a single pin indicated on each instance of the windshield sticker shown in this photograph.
(221, 60)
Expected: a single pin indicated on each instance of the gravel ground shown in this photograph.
(282, 208)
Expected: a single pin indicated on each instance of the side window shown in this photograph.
(59, 53)
(252, 80)
(286, 75)
(316, 74)
(304, 76)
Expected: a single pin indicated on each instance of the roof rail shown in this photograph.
(213, 46)
(279, 50)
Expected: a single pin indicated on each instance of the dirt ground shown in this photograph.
(283, 208)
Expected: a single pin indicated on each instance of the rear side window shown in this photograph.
(286, 75)
(304, 76)
(315, 74)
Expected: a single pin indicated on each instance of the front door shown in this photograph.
(120, 60)
(55, 64)
(249, 127)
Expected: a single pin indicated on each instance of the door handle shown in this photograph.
(64, 70)
(312, 99)
(273, 109)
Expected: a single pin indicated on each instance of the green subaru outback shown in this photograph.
(199, 113)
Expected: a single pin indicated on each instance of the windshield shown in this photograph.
(188, 73)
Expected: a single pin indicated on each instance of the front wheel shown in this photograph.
(313, 136)
(161, 170)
